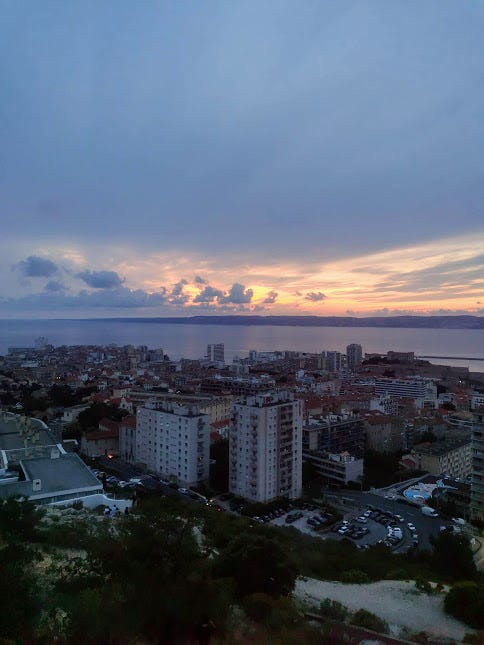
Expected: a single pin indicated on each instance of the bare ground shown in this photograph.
(403, 607)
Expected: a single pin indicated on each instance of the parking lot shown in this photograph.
(399, 527)
(308, 519)
(356, 502)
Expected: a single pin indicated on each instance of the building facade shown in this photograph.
(354, 355)
(265, 444)
(450, 458)
(216, 352)
(337, 469)
(477, 480)
(174, 441)
(335, 433)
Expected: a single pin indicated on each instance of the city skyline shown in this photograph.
(184, 159)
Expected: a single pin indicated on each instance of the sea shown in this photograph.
(449, 346)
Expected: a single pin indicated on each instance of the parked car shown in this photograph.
(411, 526)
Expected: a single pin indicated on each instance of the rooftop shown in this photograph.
(61, 475)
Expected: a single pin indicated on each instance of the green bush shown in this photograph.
(476, 638)
(423, 585)
(355, 576)
(274, 613)
(366, 619)
(398, 574)
(465, 601)
(333, 610)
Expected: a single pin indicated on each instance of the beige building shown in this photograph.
(384, 433)
(452, 458)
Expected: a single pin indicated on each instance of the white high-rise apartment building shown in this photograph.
(216, 352)
(266, 447)
(174, 441)
(354, 355)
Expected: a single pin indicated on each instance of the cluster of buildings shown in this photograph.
(276, 411)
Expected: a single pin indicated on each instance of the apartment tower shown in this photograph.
(266, 447)
(354, 355)
(216, 352)
(174, 441)
(477, 481)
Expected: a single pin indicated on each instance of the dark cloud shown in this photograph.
(118, 298)
(237, 295)
(101, 279)
(177, 297)
(54, 286)
(199, 280)
(209, 294)
(178, 288)
(385, 134)
(315, 296)
(37, 267)
(270, 298)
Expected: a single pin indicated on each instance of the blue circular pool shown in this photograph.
(415, 495)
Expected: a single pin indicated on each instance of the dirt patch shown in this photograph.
(399, 603)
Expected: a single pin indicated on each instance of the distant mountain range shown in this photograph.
(416, 322)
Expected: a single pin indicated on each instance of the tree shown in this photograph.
(448, 405)
(465, 601)
(257, 564)
(367, 620)
(219, 471)
(333, 610)
(19, 518)
(452, 556)
(18, 593)
(19, 600)
(90, 418)
(150, 578)
(309, 474)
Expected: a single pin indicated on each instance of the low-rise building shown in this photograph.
(337, 469)
(384, 433)
(335, 433)
(450, 457)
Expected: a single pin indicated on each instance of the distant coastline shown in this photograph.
(406, 322)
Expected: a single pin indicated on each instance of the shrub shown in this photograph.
(355, 576)
(275, 613)
(476, 638)
(333, 610)
(366, 619)
(421, 637)
(423, 585)
(465, 601)
(398, 574)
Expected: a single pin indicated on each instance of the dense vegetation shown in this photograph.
(171, 572)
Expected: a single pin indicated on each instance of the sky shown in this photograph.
(270, 157)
